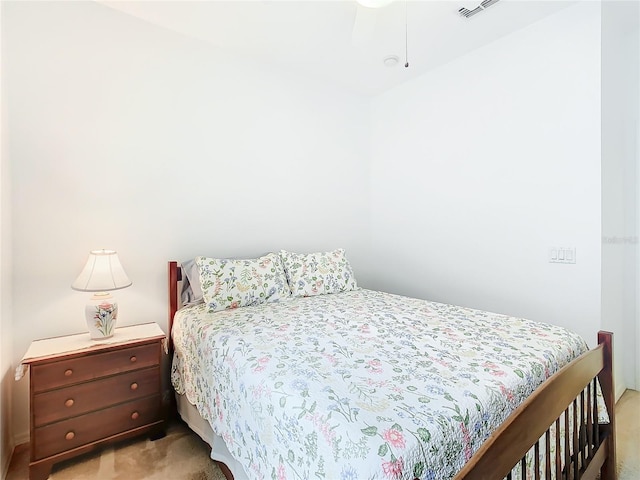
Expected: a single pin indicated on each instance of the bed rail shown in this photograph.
(567, 399)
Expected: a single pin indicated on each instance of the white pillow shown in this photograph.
(228, 283)
(318, 273)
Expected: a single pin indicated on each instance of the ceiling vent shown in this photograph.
(465, 12)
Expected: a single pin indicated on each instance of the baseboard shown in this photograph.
(9, 456)
(620, 389)
(21, 438)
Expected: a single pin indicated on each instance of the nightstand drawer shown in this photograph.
(67, 372)
(62, 436)
(79, 399)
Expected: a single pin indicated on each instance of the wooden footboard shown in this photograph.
(569, 399)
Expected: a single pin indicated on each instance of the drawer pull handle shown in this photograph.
(68, 372)
(133, 359)
(69, 403)
(70, 435)
(134, 386)
(135, 415)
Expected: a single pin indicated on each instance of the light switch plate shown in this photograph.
(562, 254)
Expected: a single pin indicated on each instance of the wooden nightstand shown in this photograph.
(85, 394)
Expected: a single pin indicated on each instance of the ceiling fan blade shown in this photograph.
(364, 25)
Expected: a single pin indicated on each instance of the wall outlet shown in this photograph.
(562, 254)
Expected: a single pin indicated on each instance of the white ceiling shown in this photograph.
(339, 40)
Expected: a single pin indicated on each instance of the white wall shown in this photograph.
(637, 35)
(127, 136)
(479, 166)
(637, 346)
(6, 328)
(463, 178)
(620, 93)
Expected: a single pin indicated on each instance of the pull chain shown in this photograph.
(406, 36)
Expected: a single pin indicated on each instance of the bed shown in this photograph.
(302, 374)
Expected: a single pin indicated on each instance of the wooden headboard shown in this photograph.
(175, 277)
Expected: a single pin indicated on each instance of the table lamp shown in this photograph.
(101, 274)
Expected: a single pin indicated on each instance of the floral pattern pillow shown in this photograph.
(318, 273)
(228, 283)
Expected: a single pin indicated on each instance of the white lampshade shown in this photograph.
(102, 272)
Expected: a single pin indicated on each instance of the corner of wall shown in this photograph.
(6, 437)
(7, 441)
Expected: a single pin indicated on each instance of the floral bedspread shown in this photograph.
(362, 384)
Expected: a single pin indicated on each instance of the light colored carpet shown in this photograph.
(628, 435)
(182, 455)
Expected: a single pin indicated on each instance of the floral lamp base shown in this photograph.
(101, 313)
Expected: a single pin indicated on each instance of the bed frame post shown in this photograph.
(175, 275)
(605, 378)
